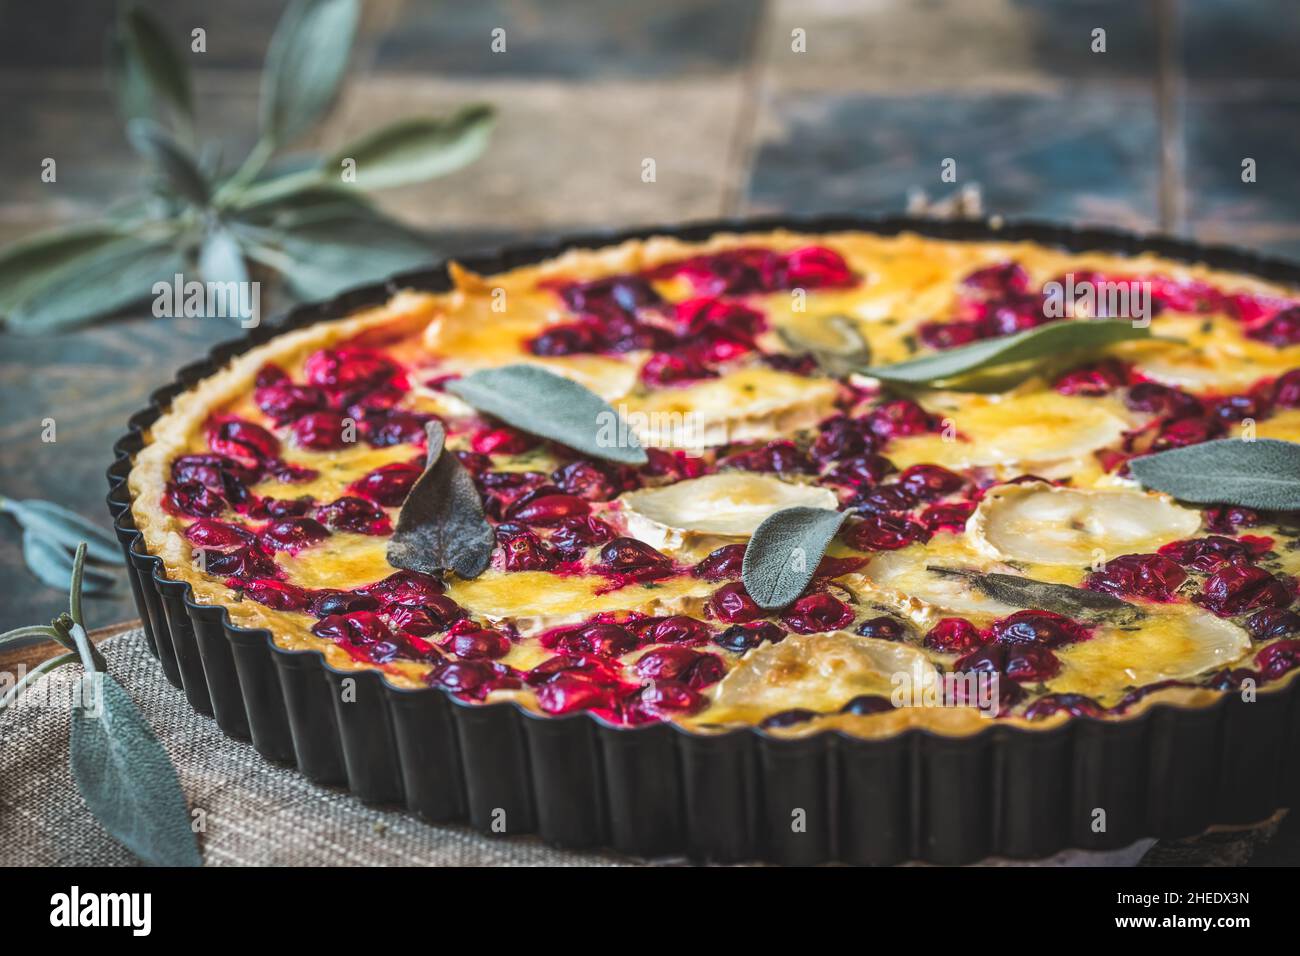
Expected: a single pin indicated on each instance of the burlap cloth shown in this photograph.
(257, 813)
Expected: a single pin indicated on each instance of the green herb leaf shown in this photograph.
(28, 264)
(98, 283)
(441, 526)
(1263, 474)
(126, 777)
(52, 564)
(550, 406)
(305, 64)
(178, 167)
(414, 150)
(1045, 596)
(65, 526)
(149, 50)
(1046, 342)
(222, 258)
(783, 554)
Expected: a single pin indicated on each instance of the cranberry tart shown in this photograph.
(864, 481)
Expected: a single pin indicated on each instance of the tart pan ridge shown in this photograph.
(660, 790)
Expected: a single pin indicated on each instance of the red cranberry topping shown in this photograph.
(1097, 378)
(1011, 313)
(1162, 400)
(243, 563)
(218, 534)
(330, 601)
(405, 587)
(948, 335)
(665, 698)
(594, 481)
(843, 437)
(865, 705)
(815, 613)
(567, 694)
(282, 402)
(374, 404)
(693, 668)
(1015, 661)
(749, 270)
(1278, 659)
(1237, 588)
(883, 532)
(348, 368)
(1226, 519)
(603, 640)
(744, 637)
(1286, 390)
(1041, 628)
(899, 418)
(887, 499)
(270, 374)
(1281, 330)
(928, 482)
(548, 509)
(1230, 679)
(1002, 277)
(674, 629)
(387, 485)
(731, 603)
(432, 616)
(470, 641)
(356, 515)
(1273, 622)
(724, 564)
(566, 339)
(884, 628)
(862, 472)
(293, 534)
(669, 368)
(673, 464)
(501, 441)
(596, 668)
(277, 595)
(1076, 705)
(525, 551)
(1209, 553)
(320, 431)
(953, 635)
(1237, 408)
(782, 457)
(385, 429)
(473, 679)
(359, 627)
(629, 554)
(947, 517)
(816, 267)
(192, 498)
(788, 718)
(1182, 432)
(573, 536)
(216, 472)
(248, 444)
(287, 507)
(1151, 576)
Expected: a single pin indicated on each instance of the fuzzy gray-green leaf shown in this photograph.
(221, 258)
(127, 779)
(1045, 596)
(171, 159)
(1045, 343)
(160, 66)
(550, 406)
(414, 150)
(28, 264)
(782, 556)
(305, 64)
(1263, 474)
(65, 526)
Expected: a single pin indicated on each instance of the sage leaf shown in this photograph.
(1048, 342)
(441, 526)
(28, 264)
(415, 150)
(834, 341)
(64, 526)
(52, 564)
(783, 554)
(97, 284)
(320, 260)
(178, 167)
(1046, 596)
(1263, 474)
(152, 57)
(221, 258)
(126, 778)
(305, 64)
(547, 405)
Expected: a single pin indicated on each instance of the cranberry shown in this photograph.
(816, 267)
(348, 368)
(724, 564)
(473, 679)
(1286, 390)
(387, 485)
(861, 472)
(664, 698)
(474, 463)
(573, 536)
(953, 635)
(815, 613)
(241, 440)
(1011, 313)
(1015, 661)
(1278, 659)
(668, 368)
(1097, 378)
(629, 554)
(1076, 705)
(404, 587)
(320, 431)
(359, 627)
(1162, 400)
(375, 404)
(395, 428)
(887, 499)
(355, 514)
(1040, 628)
(290, 473)
(282, 402)
(681, 663)
(1209, 553)
(1237, 408)
(948, 335)
(432, 616)
(1281, 330)
(884, 628)
(597, 668)
(525, 551)
(788, 718)
(864, 705)
(613, 294)
(270, 374)
(601, 639)
(782, 457)
(883, 532)
(899, 418)
(470, 641)
(548, 509)
(566, 339)
(843, 437)
(674, 629)
(703, 315)
(501, 441)
(244, 563)
(1182, 432)
(293, 534)
(330, 601)
(744, 637)
(217, 534)
(1225, 519)
(928, 482)
(1273, 622)
(1002, 277)
(1151, 576)
(566, 694)
(192, 498)
(1230, 679)
(287, 507)
(594, 481)
(217, 472)
(731, 603)
(947, 517)
(1237, 588)
(672, 464)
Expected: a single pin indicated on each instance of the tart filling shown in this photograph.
(998, 561)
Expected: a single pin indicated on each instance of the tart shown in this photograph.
(998, 563)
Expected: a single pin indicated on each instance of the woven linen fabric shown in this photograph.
(254, 812)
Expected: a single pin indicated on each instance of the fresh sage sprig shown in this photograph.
(1011, 356)
(51, 534)
(303, 217)
(1263, 474)
(783, 554)
(122, 771)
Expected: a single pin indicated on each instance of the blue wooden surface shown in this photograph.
(737, 121)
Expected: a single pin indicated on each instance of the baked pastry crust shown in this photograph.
(901, 285)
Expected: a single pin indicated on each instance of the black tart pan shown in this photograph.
(655, 790)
